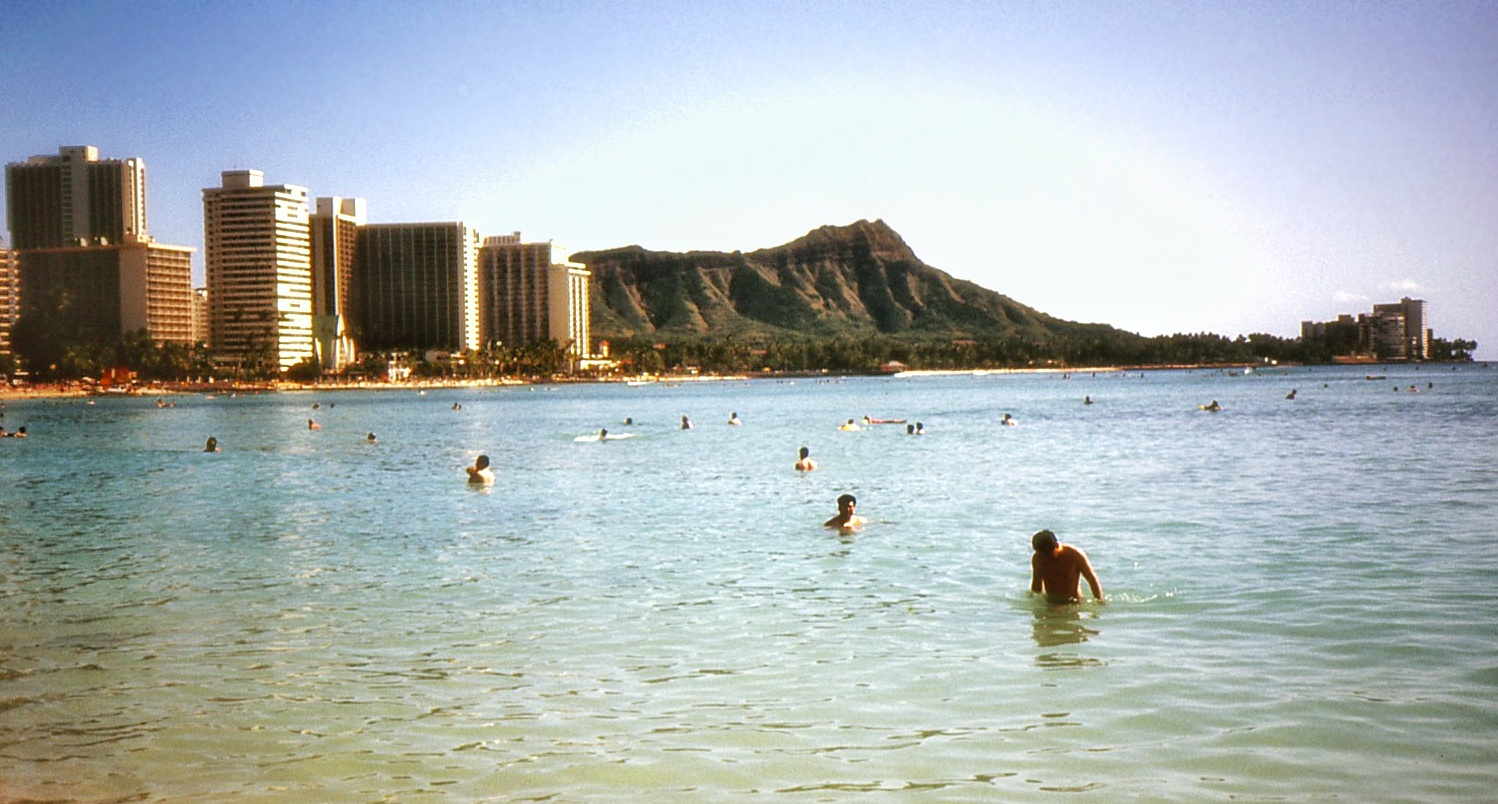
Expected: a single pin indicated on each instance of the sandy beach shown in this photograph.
(70, 389)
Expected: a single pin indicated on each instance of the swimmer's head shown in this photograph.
(482, 462)
(846, 501)
(1043, 541)
(805, 452)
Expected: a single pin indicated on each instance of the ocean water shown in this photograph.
(1301, 593)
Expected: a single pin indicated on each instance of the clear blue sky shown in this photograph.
(1160, 166)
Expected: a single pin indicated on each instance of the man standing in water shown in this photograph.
(479, 473)
(846, 519)
(1055, 569)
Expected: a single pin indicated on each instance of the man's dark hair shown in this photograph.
(849, 498)
(1043, 541)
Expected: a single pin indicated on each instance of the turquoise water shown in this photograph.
(1301, 593)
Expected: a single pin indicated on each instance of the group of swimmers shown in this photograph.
(1056, 569)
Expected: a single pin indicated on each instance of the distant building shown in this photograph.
(106, 291)
(335, 242)
(259, 262)
(200, 325)
(1394, 331)
(531, 295)
(1401, 330)
(83, 254)
(10, 295)
(416, 286)
(75, 199)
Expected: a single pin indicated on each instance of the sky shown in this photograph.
(1159, 166)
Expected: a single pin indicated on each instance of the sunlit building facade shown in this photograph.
(106, 291)
(531, 296)
(75, 199)
(10, 294)
(335, 242)
(200, 326)
(258, 255)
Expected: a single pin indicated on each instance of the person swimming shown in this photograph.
(480, 473)
(1212, 406)
(846, 518)
(848, 426)
(1291, 395)
(805, 463)
(909, 429)
(212, 445)
(371, 438)
(603, 433)
(629, 420)
(686, 423)
(1087, 400)
(733, 419)
(1008, 421)
(312, 425)
(920, 428)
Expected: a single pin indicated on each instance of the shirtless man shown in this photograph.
(845, 520)
(1055, 569)
(805, 463)
(480, 473)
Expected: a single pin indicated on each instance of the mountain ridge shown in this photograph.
(861, 279)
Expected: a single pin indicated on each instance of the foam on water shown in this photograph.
(1301, 593)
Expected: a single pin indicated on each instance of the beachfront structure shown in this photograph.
(1393, 331)
(1397, 330)
(416, 286)
(532, 296)
(259, 264)
(200, 326)
(106, 291)
(335, 241)
(10, 294)
(75, 199)
(83, 259)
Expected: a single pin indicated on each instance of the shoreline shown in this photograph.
(73, 390)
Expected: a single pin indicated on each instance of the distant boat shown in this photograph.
(638, 383)
(1375, 377)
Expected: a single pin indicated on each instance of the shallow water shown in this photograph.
(1301, 593)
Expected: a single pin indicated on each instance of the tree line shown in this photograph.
(844, 353)
(48, 352)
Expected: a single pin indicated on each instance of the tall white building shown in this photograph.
(258, 252)
(335, 243)
(567, 300)
(10, 294)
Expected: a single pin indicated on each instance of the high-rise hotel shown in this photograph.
(534, 294)
(258, 247)
(85, 257)
(10, 294)
(417, 287)
(335, 244)
(75, 199)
